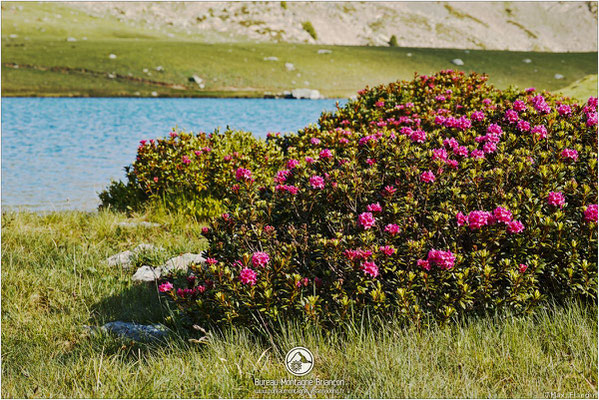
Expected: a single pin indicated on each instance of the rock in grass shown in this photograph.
(145, 224)
(527, 61)
(312, 94)
(558, 76)
(145, 273)
(182, 262)
(324, 51)
(112, 56)
(125, 258)
(272, 58)
(289, 66)
(457, 61)
(134, 331)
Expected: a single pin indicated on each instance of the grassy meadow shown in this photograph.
(54, 282)
(39, 60)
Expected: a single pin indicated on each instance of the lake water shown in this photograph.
(58, 153)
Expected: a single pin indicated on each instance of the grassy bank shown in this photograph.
(54, 282)
(39, 60)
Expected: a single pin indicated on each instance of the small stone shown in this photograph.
(527, 61)
(145, 273)
(111, 76)
(289, 67)
(145, 70)
(324, 51)
(135, 331)
(160, 68)
(132, 224)
(181, 263)
(112, 56)
(13, 36)
(558, 76)
(311, 94)
(409, 54)
(271, 58)
(122, 259)
(71, 39)
(154, 94)
(196, 79)
(457, 61)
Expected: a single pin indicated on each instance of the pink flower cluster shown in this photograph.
(247, 276)
(317, 182)
(357, 254)
(366, 220)
(287, 188)
(442, 259)
(590, 213)
(370, 268)
(260, 259)
(243, 174)
(570, 154)
(556, 199)
(478, 219)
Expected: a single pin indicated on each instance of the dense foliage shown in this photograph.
(190, 171)
(422, 199)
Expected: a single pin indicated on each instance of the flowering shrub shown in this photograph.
(193, 171)
(421, 199)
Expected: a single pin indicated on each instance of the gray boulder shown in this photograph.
(324, 51)
(272, 58)
(125, 258)
(457, 61)
(145, 273)
(558, 76)
(134, 331)
(312, 94)
(145, 224)
(182, 262)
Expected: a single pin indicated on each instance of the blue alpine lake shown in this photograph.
(59, 153)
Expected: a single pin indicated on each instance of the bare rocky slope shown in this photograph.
(538, 26)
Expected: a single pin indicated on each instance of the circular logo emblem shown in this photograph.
(299, 361)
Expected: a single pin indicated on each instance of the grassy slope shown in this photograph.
(54, 282)
(231, 68)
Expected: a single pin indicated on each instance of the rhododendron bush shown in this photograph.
(422, 199)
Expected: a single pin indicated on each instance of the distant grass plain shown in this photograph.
(54, 50)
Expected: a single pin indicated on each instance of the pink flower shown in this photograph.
(309, 160)
(173, 134)
(461, 151)
(287, 188)
(205, 230)
(494, 128)
(374, 207)
(424, 264)
(317, 182)
(519, 105)
(452, 143)
(427, 177)
(564, 109)
(326, 153)
(522, 268)
(590, 213)
(143, 142)
(247, 276)
(461, 219)
(502, 215)
(478, 219)
(370, 161)
(523, 126)
(477, 154)
(489, 147)
(357, 254)
(292, 163)
(443, 259)
(387, 250)
(260, 259)
(366, 220)
(185, 160)
(515, 226)
(392, 229)
(556, 199)
(570, 153)
(440, 154)
(211, 261)
(379, 103)
(282, 176)
(477, 116)
(440, 98)
(418, 136)
(156, 179)
(370, 268)
(389, 190)
(540, 130)
(165, 287)
(315, 141)
(511, 116)
(243, 174)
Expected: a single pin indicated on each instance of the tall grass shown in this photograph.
(54, 282)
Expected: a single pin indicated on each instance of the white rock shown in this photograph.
(71, 39)
(324, 51)
(122, 259)
(457, 61)
(182, 262)
(112, 56)
(409, 54)
(13, 36)
(134, 331)
(145, 70)
(196, 79)
(558, 76)
(111, 76)
(155, 94)
(160, 68)
(527, 61)
(145, 224)
(289, 66)
(311, 94)
(145, 273)
(271, 58)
